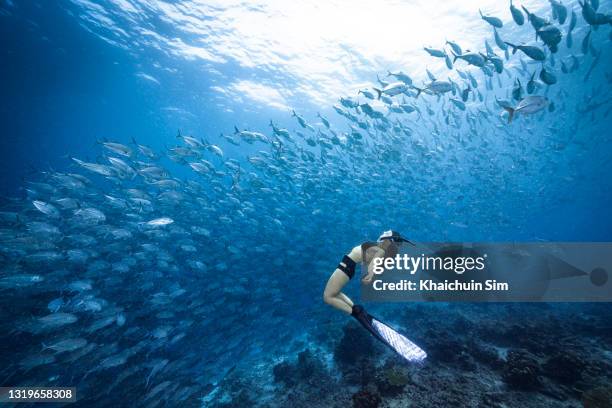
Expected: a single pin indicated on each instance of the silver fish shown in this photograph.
(528, 105)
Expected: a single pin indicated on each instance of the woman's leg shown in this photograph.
(332, 295)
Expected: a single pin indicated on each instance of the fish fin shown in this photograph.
(510, 113)
(378, 91)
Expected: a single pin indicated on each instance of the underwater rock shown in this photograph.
(600, 397)
(366, 399)
(355, 344)
(521, 370)
(564, 367)
(307, 369)
(284, 373)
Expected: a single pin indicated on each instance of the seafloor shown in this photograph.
(479, 355)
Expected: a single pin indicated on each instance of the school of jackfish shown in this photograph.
(131, 277)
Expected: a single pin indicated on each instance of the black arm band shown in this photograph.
(347, 265)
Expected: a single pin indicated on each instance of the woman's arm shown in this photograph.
(374, 252)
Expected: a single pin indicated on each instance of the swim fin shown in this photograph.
(400, 344)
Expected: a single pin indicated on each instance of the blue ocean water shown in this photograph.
(193, 275)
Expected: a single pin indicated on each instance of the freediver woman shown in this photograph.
(387, 246)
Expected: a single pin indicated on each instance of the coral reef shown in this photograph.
(392, 380)
(521, 370)
(479, 356)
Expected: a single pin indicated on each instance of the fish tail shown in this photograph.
(455, 56)
(379, 92)
(510, 113)
(236, 130)
(293, 114)
(419, 90)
